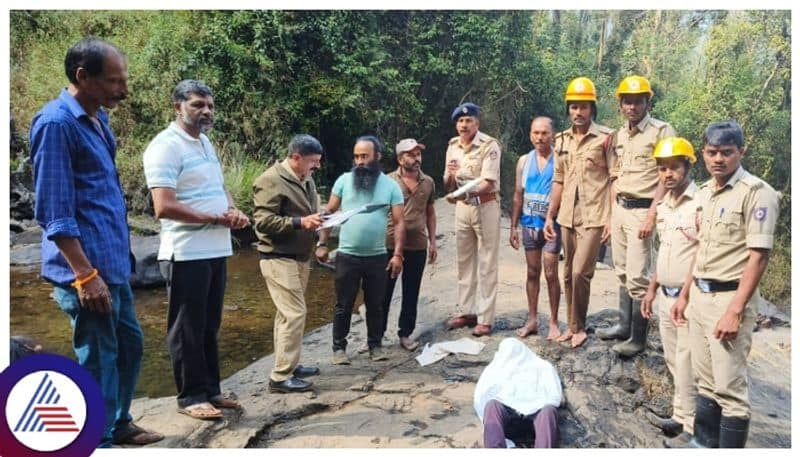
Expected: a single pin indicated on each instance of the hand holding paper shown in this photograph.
(466, 188)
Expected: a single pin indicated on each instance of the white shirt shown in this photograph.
(177, 160)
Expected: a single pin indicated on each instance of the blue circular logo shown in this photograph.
(51, 406)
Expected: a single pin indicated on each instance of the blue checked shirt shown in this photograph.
(78, 194)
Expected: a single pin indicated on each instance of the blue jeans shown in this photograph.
(109, 346)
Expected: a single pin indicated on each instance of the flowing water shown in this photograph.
(247, 319)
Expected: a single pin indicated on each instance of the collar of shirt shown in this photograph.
(640, 126)
(288, 168)
(687, 194)
(399, 173)
(184, 134)
(737, 175)
(592, 129)
(75, 107)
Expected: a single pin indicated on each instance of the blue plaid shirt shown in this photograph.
(78, 193)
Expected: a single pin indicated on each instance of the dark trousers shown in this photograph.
(195, 290)
(413, 267)
(354, 273)
(500, 421)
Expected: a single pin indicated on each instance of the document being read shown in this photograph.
(340, 217)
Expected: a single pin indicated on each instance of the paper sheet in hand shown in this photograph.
(438, 351)
(339, 218)
(466, 187)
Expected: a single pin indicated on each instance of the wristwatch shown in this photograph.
(322, 244)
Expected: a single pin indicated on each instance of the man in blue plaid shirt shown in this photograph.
(81, 209)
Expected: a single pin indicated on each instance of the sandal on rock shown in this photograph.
(227, 401)
(133, 434)
(202, 411)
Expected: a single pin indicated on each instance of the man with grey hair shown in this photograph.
(529, 208)
(196, 212)
(286, 214)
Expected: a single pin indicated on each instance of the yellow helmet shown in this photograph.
(674, 147)
(634, 85)
(581, 90)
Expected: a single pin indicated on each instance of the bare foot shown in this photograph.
(530, 328)
(554, 332)
(564, 336)
(578, 338)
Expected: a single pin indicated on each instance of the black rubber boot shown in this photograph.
(622, 329)
(733, 432)
(635, 344)
(707, 417)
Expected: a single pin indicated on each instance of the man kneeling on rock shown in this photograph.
(517, 397)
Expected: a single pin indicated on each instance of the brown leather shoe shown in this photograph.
(465, 320)
(482, 329)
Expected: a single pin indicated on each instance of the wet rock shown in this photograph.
(29, 235)
(25, 255)
(145, 251)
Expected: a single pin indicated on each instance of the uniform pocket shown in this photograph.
(728, 228)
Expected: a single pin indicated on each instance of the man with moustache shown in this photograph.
(286, 215)
(635, 194)
(80, 207)
(720, 296)
(420, 224)
(472, 155)
(196, 212)
(677, 233)
(530, 204)
(580, 197)
(361, 260)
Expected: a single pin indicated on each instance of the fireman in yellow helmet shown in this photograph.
(636, 191)
(676, 229)
(579, 200)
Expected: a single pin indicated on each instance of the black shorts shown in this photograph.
(533, 240)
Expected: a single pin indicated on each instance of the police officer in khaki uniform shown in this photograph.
(580, 196)
(471, 155)
(720, 298)
(635, 193)
(677, 234)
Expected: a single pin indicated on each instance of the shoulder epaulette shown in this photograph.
(751, 181)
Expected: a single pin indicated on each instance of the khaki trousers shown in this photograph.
(678, 356)
(286, 281)
(477, 245)
(581, 247)
(632, 257)
(721, 368)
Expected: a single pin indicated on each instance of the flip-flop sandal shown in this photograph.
(133, 434)
(225, 401)
(202, 411)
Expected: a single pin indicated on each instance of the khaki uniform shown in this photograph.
(677, 234)
(582, 168)
(477, 227)
(636, 175)
(280, 198)
(738, 217)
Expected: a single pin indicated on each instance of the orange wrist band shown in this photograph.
(80, 282)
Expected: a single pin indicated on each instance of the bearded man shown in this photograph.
(362, 255)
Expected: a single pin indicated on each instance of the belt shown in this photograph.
(276, 255)
(629, 203)
(671, 291)
(478, 200)
(708, 286)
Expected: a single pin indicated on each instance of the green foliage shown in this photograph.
(340, 74)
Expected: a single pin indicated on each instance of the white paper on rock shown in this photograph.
(438, 351)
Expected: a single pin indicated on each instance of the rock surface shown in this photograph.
(397, 403)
